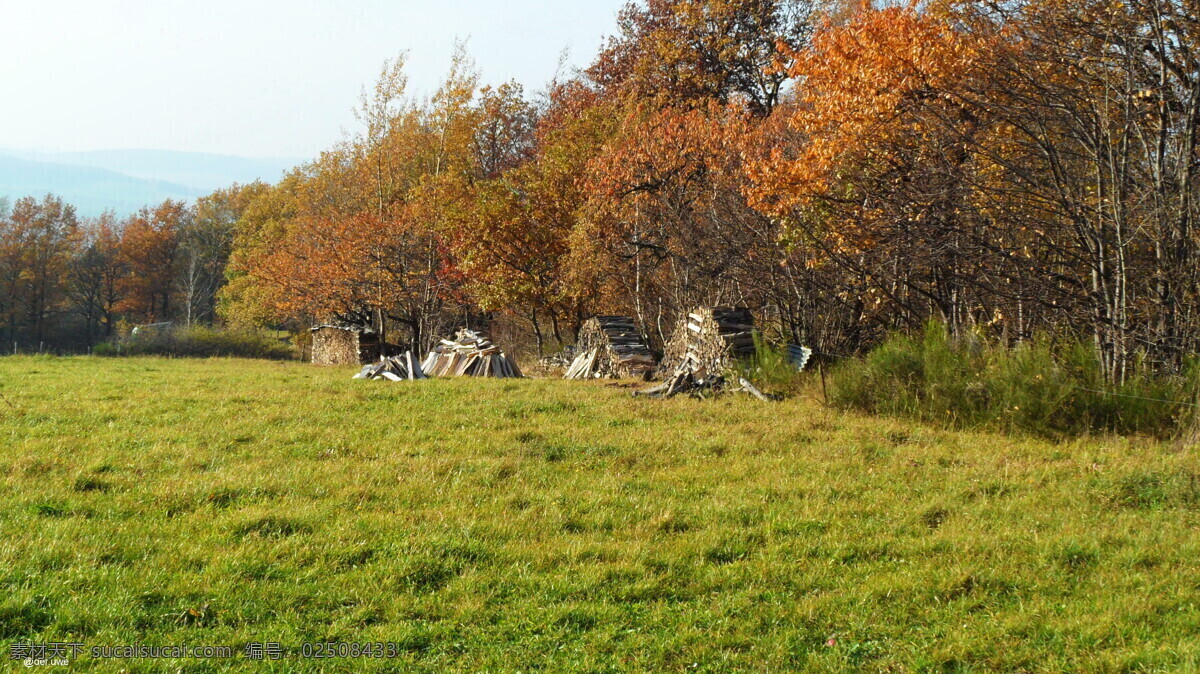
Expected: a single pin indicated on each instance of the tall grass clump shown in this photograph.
(200, 342)
(770, 369)
(1040, 387)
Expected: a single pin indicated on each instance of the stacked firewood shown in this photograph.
(396, 368)
(611, 346)
(709, 339)
(469, 354)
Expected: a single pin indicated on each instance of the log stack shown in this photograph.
(404, 367)
(469, 354)
(347, 345)
(708, 340)
(611, 346)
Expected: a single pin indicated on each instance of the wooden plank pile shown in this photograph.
(699, 384)
(684, 381)
(709, 339)
(404, 367)
(611, 346)
(469, 354)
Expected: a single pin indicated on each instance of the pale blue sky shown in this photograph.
(260, 78)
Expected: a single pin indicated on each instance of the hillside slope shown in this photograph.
(91, 190)
(197, 170)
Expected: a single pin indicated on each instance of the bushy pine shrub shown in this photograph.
(200, 342)
(1040, 387)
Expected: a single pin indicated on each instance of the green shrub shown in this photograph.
(769, 369)
(199, 342)
(106, 349)
(1038, 387)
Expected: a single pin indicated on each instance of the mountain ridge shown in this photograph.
(124, 180)
(90, 190)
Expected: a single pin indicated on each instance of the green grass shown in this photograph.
(518, 525)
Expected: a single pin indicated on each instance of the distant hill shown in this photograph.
(126, 180)
(195, 169)
(90, 190)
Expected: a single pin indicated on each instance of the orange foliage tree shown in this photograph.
(678, 51)
(149, 244)
(36, 241)
(878, 179)
(96, 275)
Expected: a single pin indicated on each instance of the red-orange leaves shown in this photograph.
(332, 266)
(873, 92)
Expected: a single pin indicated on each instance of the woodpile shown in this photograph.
(684, 381)
(345, 345)
(469, 354)
(707, 340)
(611, 346)
(404, 367)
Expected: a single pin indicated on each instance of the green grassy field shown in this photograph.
(546, 525)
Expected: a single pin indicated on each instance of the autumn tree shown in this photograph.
(149, 249)
(1098, 105)
(512, 244)
(704, 50)
(875, 180)
(11, 275)
(205, 244)
(354, 235)
(96, 275)
(505, 137)
(283, 238)
(42, 232)
(664, 206)
(1016, 167)
(512, 241)
(37, 243)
